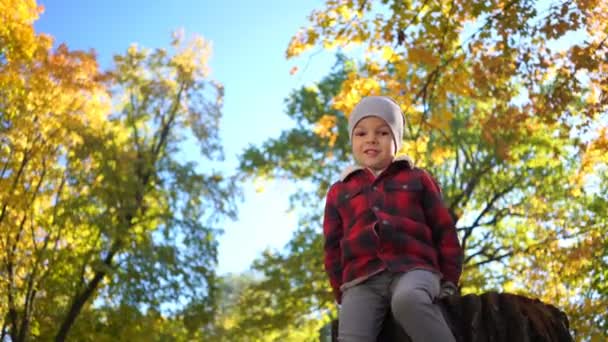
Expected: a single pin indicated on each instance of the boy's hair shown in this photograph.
(383, 107)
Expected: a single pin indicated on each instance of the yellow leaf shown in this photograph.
(346, 12)
(325, 128)
(440, 155)
(418, 55)
(387, 53)
(441, 120)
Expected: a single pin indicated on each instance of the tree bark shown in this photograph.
(491, 317)
(82, 298)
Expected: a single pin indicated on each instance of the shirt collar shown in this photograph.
(354, 168)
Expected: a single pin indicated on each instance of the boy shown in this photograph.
(389, 241)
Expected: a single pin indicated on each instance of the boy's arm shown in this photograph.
(444, 231)
(332, 232)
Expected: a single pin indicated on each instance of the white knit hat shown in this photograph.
(382, 107)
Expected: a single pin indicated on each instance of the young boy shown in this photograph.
(390, 243)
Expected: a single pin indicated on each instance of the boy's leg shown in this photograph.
(412, 305)
(364, 307)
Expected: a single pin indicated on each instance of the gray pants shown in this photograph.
(410, 298)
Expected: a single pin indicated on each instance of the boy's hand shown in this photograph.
(447, 289)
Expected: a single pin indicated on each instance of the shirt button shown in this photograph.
(385, 222)
(375, 208)
(375, 188)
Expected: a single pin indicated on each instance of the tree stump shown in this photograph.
(492, 317)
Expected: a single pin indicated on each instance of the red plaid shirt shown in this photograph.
(396, 221)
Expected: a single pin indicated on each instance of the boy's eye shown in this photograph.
(359, 133)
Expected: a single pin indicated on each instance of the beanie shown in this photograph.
(382, 107)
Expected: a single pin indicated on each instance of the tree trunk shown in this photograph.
(83, 297)
(492, 317)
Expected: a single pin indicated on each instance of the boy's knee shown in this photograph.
(406, 303)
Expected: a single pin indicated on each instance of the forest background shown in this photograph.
(132, 180)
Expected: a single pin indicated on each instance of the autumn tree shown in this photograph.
(163, 209)
(226, 323)
(129, 323)
(507, 117)
(104, 209)
(43, 96)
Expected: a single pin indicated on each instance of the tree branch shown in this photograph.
(16, 334)
(498, 257)
(84, 296)
(4, 327)
(5, 167)
(483, 250)
(471, 185)
(107, 262)
(433, 75)
(493, 258)
(24, 162)
(30, 291)
(489, 206)
(455, 170)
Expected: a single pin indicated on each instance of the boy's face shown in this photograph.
(372, 142)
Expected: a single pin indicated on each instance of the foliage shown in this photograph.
(507, 117)
(128, 323)
(245, 314)
(102, 210)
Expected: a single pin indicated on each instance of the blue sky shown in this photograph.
(249, 39)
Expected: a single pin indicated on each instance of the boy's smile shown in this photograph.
(373, 143)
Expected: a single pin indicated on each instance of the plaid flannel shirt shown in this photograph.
(396, 221)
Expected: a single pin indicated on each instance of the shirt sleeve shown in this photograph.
(444, 230)
(332, 232)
